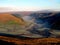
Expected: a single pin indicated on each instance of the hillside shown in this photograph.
(5, 17)
(47, 33)
(35, 24)
(9, 24)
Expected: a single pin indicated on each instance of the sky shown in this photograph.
(28, 5)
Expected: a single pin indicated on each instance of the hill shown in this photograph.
(35, 25)
(5, 17)
(37, 33)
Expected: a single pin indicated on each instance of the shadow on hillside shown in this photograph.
(6, 43)
(14, 36)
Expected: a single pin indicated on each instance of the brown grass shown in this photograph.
(4, 17)
(30, 41)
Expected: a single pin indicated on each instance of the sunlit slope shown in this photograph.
(5, 17)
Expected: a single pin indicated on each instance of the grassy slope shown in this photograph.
(4, 17)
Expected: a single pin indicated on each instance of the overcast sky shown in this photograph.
(31, 4)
